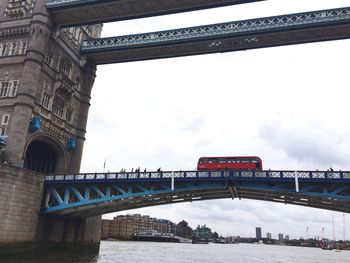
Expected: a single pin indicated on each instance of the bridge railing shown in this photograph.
(140, 176)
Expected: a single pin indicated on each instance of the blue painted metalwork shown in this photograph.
(217, 31)
(35, 124)
(3, 142)
(94, 193)
(71, 143)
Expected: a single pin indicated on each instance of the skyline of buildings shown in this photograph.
(127, 226)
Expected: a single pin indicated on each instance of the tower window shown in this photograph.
(14, 87)
(5, 119)
(4, 88)
(46, 100)
(58, 106)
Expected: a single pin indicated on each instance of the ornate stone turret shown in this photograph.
(45, 87)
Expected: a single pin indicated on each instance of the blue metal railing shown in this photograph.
(142, 176)
(275, 23)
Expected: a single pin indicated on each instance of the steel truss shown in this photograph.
(93, 194)
(290, 29)
(221, 30)
(81, 12)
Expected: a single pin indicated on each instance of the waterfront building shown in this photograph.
(286, 237)
(163, 225)
(268, 236)
(105, 228)
(258, 233)
(127, 226)
(202, 232)
(114, 229)
(183, 230)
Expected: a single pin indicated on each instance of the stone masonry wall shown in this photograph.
(20, 202)
(70, 230)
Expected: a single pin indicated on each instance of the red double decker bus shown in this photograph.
(230, 163)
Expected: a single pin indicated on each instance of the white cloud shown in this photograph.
(288, 105)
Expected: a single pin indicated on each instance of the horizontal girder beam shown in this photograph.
(290, 29)
(111, 196)
(82, 12)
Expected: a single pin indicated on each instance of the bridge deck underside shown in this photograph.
(79, 12)
(216, 44)
(333, 196)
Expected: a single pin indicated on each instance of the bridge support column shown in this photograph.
(23, 232)
(70, 230)
(20, 203)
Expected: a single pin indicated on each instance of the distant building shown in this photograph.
(126, 226)
(258, 232)
(105, 228)
(202, 232)
(183, 230)
(163, 226)
(286, 237)
(268, 236)
(280, 237)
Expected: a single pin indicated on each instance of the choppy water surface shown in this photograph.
(153, 252)
(149, 252)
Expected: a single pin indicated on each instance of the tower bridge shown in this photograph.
(47, 71)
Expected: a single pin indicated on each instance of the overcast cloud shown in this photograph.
(288, 105)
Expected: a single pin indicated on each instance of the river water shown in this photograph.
(150, 252)
(154, 252)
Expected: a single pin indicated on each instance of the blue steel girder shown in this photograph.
(91, 194)
(296, 28)
(82, 12)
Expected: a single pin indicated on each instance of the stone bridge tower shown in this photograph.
(45, 88)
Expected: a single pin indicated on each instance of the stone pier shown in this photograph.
(24, 231)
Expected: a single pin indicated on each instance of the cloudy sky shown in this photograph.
(288, 105)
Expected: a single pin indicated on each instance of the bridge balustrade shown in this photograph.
(322, 175)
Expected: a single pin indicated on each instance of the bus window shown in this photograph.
(222, 160)
(203, 160)
(212, 160)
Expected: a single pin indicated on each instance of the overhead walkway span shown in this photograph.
(82, 12)
(323, 25)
